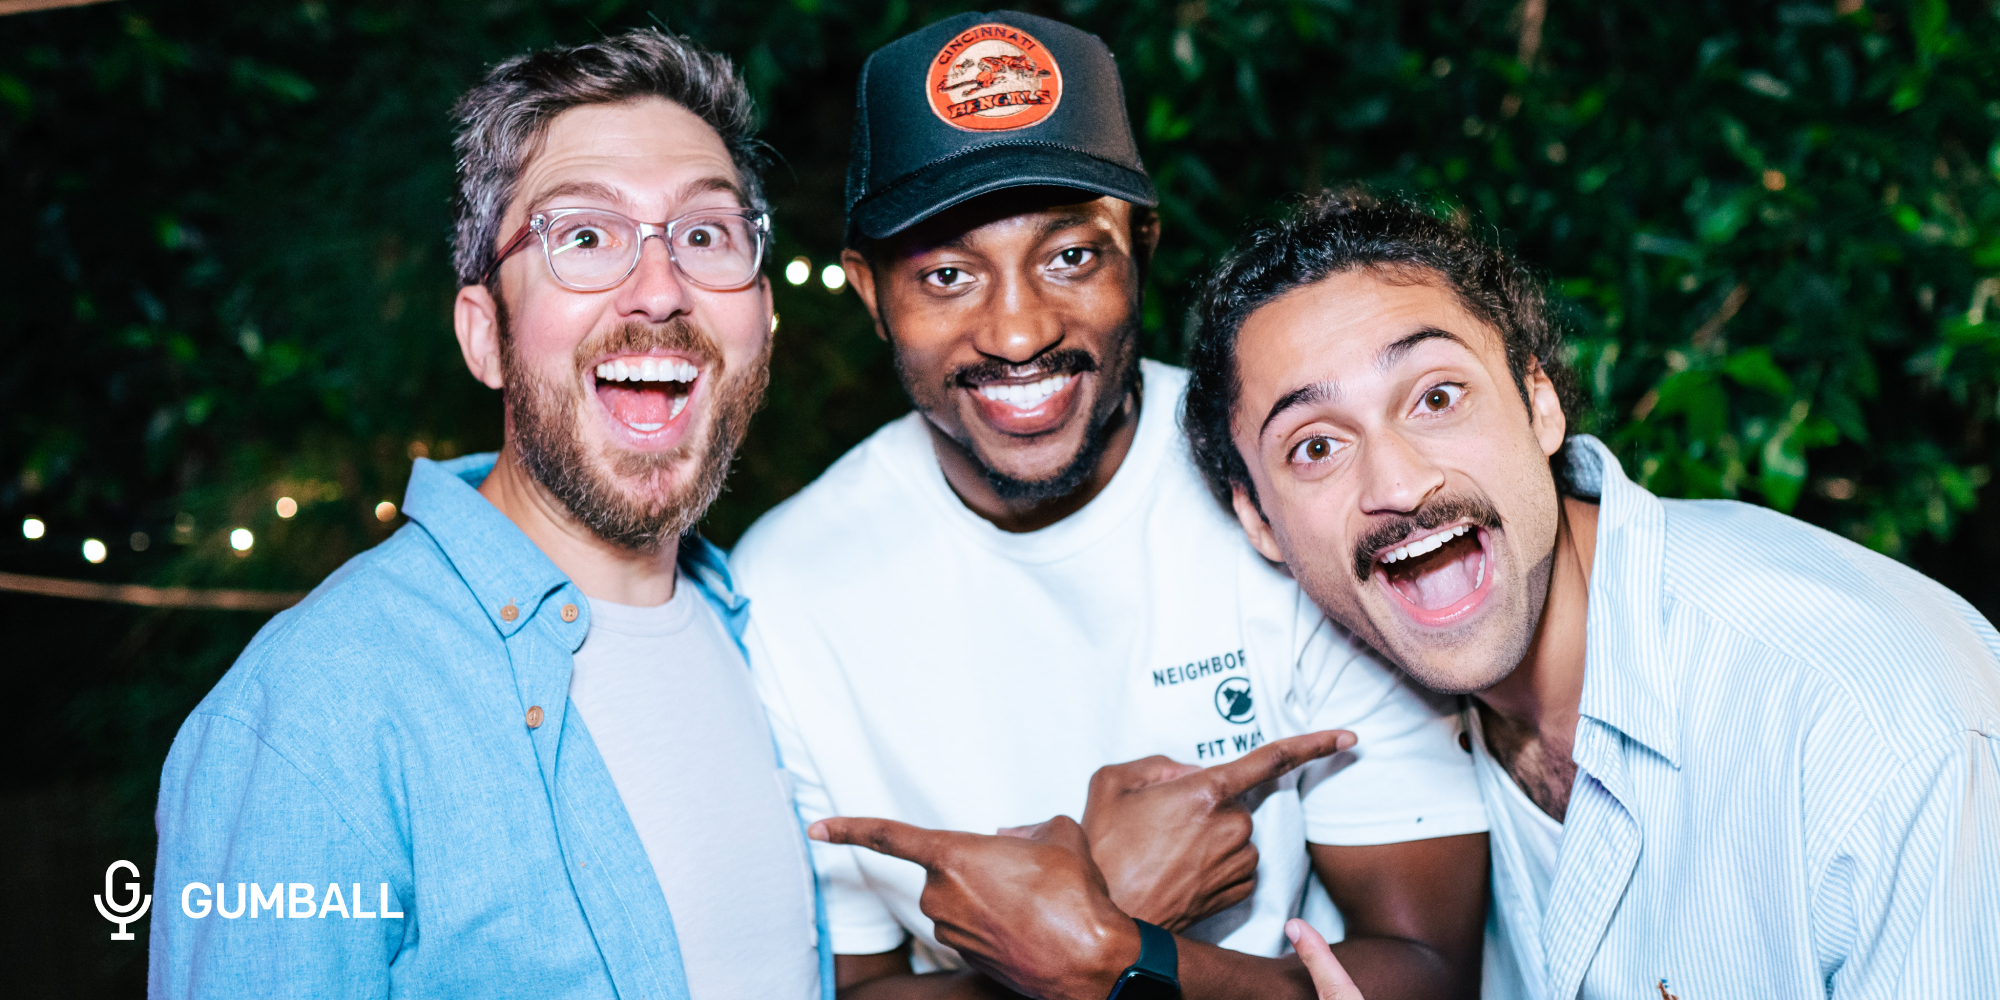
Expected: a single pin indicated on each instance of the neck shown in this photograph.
(601, 570)
(968, 478)
(1530, 716)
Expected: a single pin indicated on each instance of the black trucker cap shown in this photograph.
(981, 102)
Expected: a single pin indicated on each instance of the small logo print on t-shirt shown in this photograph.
(1232, 700)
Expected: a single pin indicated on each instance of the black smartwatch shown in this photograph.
(1157, 973)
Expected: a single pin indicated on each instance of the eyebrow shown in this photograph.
(1393, 353)
(606, 193)
(1328, 391)
(1305, 395)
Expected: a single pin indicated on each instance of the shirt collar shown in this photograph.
(1625, 650)
(504, 569)
(506, 572)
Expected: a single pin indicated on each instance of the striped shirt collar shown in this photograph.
(1625, 641)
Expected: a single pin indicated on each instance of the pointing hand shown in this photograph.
(1028, 909)
(1173, 840)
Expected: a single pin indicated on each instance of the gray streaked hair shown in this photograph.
(502, 121)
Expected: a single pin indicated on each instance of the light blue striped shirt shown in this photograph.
(1788, 772)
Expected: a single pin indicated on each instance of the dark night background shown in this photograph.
(1774, 228)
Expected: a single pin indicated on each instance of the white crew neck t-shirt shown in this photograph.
(667, 699)
(922, 665)
(1527, 843)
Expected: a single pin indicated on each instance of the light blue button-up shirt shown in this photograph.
(374, 743)
(1788, 772)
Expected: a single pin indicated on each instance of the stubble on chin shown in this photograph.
(1118, 375)
(630, 498)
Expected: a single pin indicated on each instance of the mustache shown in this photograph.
(678, 334)
(1071, 361)
(1436, 513)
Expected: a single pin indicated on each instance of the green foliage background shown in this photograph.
(1775, 228)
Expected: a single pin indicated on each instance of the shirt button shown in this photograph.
(510, 612)
(569, 612)
(1465, 742)
(534, 717)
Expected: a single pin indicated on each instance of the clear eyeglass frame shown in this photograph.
(737, 274)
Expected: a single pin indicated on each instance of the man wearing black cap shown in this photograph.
(987, 601)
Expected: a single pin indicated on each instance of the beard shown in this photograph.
(627, 498)
(1119, 371)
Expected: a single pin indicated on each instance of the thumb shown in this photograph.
(1330, 980)
(1145, 771)
(1032, 831)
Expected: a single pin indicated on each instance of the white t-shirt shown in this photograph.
(669, 703)
(1530, 850)
(922, 665)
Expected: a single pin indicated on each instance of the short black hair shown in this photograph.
(1346, 230)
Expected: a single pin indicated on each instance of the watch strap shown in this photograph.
(1158, 954)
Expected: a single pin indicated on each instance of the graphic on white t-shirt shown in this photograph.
(922, 665)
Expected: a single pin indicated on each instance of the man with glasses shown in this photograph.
(515, 748)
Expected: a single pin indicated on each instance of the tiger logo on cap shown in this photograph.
(993, 77)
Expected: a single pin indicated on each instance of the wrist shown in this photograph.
(1117, 947)
(1156, 974)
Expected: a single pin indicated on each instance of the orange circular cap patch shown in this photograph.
(992, 78)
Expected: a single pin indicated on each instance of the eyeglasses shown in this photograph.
(591, 249)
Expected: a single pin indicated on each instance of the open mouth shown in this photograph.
(1026, 396)
(646, 393)
(1440, 576)
(1027, 403)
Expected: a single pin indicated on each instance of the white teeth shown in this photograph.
(647, 428)
(647, 370)
(680, 403)
(1025, 397)
(1424, 545)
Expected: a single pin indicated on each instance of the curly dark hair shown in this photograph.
(1345, 230)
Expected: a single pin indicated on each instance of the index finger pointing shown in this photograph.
(1275, 758)
(883, 836)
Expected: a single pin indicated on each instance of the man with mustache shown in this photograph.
(1724, 753)
(516, 750)
(1024, 581)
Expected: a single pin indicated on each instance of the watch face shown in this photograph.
(1139, 985)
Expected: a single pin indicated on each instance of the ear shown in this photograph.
(475, 317)
(862, 278)
(1146, 235)
(1254, 525)
(1545, 412)
(770, 306)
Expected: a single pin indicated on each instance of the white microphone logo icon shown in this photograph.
(122, 913)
